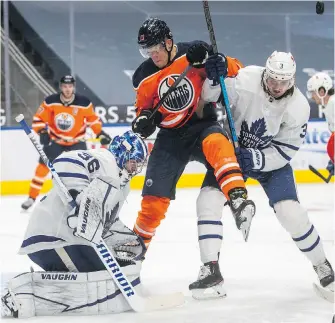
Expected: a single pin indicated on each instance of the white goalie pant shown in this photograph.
(66, 293)
(210, 203)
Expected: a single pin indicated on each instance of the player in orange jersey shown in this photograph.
(61, 122)
(188, 131)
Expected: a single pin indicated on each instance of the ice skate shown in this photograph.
(27, 204)
(210, 282)
(326, 277)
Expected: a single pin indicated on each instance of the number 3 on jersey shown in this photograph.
(93, 164)
(304, 130)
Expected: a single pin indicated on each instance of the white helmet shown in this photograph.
(317, 81)
(280, 67)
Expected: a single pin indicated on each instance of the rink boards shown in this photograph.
(19, 159)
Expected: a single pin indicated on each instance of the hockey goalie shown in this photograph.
(74, 280)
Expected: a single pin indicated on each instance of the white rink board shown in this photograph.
(19, 158)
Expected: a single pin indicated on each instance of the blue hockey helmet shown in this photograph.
(129, 147)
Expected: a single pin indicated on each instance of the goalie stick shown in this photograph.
(136, 302)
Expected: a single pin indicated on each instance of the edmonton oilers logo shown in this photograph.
(64, 121)
(181, 98)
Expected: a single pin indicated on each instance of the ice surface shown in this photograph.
(267, 279)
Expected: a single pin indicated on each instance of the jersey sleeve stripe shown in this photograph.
(288, 158)
(70, 160)
(74, 175)
(285, 145)
(39, 239)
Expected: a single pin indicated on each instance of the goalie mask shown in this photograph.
(130, 153)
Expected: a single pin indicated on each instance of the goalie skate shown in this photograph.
(209, 284)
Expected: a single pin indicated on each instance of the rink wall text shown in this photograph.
(19, 159)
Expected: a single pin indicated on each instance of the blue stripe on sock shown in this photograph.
(210, 236)
(209, 222)
(305, 235)
(312, 246)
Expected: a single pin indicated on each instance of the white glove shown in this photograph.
(98, 209)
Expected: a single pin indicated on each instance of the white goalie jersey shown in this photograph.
(48, 227)
(276, 127)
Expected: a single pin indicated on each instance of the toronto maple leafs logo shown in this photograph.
(255, 136)
(110, 218)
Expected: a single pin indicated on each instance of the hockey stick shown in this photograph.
(317, 173)
(169, 91)
(222, 84)
(245, 226)
(136, 302)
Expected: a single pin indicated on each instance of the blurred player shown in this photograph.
(188, 131)
(320, 88)
(61, 123)
(271, 117)
(59, 240)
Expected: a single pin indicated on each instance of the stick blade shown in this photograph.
(245, 226)
(324, 293)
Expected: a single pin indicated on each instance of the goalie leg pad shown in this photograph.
(210, 203)
(66, 293)
(293, 217)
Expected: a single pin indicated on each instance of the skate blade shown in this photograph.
(324, 293)
(209, 293)
(245, 226)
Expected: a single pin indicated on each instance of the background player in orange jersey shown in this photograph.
(189, 131)
(61, 122)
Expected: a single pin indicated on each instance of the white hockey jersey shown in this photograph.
(329, 113)
(47, 228)
(276, 127)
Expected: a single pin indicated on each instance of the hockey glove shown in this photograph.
(104, 137)
(44, 137)
(196, 54)
(216, 66)
(250, 159)
(143, 125)
(330, 168)
(98, 210)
